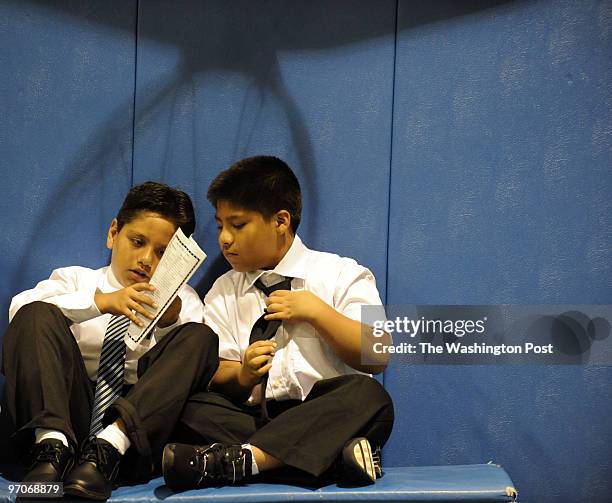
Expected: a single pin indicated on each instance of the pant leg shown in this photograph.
(181, 364)
(211, 417)
(46, 381)
(310, 436)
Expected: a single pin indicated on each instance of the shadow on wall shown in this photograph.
(572, 333)
(271, 27)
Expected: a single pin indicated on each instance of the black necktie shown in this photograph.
(263, 330)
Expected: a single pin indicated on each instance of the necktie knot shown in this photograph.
(284, 284)
(264, 329)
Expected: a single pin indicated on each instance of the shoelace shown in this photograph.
(99, 454)
(208, 463)
(44, 452)
(218, 463)
(237, 457)
(227, 459)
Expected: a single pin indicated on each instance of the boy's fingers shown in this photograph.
(143, 286)
(133, 317)
(260, 361)
(275, 299)
(261, 351)
(265, 344)
(265, 369)
(145, 299)
(141, 309)
(275, 308)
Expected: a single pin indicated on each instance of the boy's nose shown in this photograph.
(225, 239)
(144, 260)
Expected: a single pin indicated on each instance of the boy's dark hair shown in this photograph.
(172, 204)
(262, 183)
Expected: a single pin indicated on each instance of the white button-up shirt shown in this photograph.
(234, 304)
(72, 289)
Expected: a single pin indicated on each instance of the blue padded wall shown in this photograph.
(501, 193)
(218, 81)
(67, 92)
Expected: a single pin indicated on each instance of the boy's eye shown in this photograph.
(239, 226)
(137, 242)
(160, 252)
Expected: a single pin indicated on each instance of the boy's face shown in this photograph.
(249, 241)
(138, 246)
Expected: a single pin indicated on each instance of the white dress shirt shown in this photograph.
(233, 305)
(72, 289)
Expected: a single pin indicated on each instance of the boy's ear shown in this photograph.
(112, 234)
(283, 221)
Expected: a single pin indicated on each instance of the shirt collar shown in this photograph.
(292, 265)
(111, 279)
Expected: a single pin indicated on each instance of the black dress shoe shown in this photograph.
(51, 460)
(190, 466)
(95, 472)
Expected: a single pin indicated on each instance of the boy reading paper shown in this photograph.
(73, 389)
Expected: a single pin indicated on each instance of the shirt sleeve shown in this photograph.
(192, 310)
(217, 316)
(356, 287)
(72, 289)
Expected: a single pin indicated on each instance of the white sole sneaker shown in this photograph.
(358, 462)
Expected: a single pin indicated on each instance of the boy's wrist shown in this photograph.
(172, 314)
(319, 311)
(100, 301)
(244, 381)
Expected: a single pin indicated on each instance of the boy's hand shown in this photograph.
(293, 305)
(171, 315)
(128, 299)
(257, 363)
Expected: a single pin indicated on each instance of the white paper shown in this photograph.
(180, 260)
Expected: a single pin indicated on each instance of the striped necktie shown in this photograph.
(110, 371)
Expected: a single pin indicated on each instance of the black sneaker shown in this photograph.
(190, 466)
(358, 463)
(95, 472)
(51, 461)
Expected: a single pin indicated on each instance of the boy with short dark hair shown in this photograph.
(70, 380)
(304, 403)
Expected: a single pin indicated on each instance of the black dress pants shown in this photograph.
(306, 435)
(47, 385)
